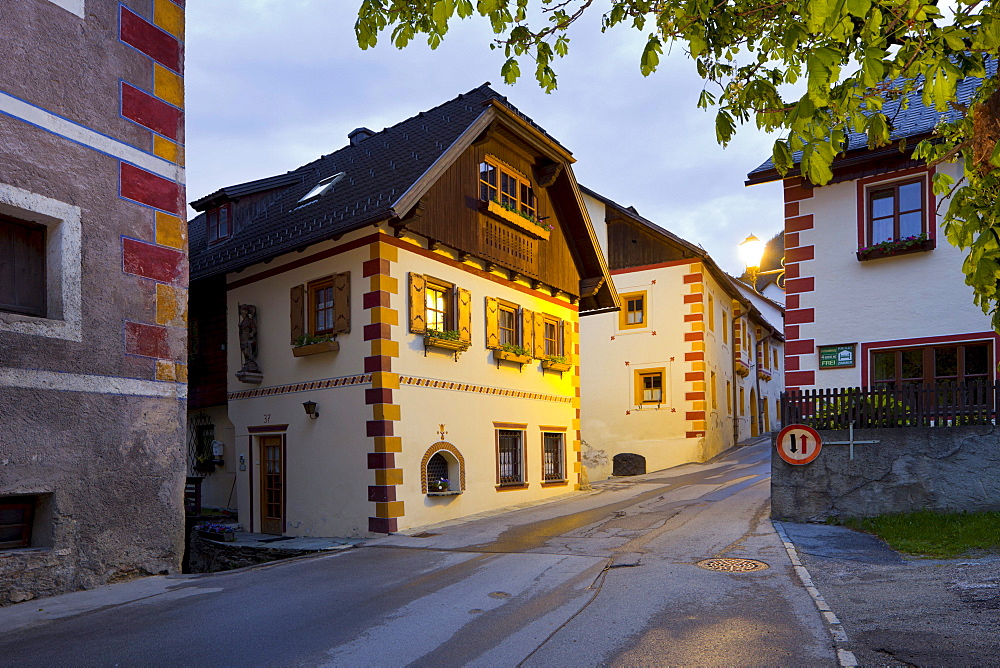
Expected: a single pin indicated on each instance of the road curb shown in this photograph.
(845, 657)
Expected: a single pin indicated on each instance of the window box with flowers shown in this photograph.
(912, 244)
(511, 352)
(312, 345)
(519, 219)
(447, 340)
(556, 363)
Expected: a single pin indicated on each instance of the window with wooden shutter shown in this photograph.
(567, 341)
(418, 318)
(492, 323)
(296, 300)
(464, 315)
(342, 303)
(527, 329)
(538, 335)
(22, 267)
(503, 324)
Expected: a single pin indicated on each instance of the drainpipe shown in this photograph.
(736, 382)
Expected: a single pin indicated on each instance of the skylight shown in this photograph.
(322, 187)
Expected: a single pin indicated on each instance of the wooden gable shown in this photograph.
(632, 245)
(453, 214)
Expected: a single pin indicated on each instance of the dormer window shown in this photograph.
(503, 184)
(219, 221)
(322, 187)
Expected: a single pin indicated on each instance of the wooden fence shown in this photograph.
(944, 405)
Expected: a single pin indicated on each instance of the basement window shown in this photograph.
(17, 516)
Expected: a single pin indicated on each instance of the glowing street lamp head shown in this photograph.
(751, 251)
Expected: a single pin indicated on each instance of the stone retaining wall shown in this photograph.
(940, 468)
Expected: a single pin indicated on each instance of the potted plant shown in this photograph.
(440, 485)
(511, 352)
(311, 345)
(556, 363)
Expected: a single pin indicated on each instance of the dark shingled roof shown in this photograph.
(379, 171)
(914, 121)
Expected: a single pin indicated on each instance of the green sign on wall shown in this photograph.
(838, 356)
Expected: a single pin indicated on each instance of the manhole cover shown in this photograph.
(730, 565)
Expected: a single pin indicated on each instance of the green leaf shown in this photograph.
(651, 56)
(510, 71)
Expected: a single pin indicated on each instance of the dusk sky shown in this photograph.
(273, 84)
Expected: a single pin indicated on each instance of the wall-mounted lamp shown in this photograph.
(310, 407)
(751, 251)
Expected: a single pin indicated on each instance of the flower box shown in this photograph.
(556, 366)
(447, 492)
(446, 344)
(895, 248)
(508, 356)
(513, 218)
(316, 348)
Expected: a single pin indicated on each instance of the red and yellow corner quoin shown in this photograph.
(158, 105)
(573, 353)
(385, 412)
(694, 356)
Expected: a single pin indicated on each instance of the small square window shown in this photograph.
(633, 315)
(16, 518)
(896, 211)
(649, 386)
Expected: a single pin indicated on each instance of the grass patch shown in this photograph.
(933, 534)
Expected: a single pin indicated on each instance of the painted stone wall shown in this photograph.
(953, 468)
(91, 111)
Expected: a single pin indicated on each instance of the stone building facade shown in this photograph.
(93, 294)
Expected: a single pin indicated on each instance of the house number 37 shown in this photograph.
(267, 418)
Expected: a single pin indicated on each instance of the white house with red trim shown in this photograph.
(875, 295)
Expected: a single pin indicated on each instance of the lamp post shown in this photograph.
(751, 251)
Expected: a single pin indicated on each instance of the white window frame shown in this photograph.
(63, 259)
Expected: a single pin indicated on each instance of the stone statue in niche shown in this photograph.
(250, 372)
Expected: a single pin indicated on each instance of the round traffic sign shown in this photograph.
(799, 444)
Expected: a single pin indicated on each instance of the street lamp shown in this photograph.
(751, 251)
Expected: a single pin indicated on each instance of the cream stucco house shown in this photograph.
(689, 366)
(876, 296)
(397, 313)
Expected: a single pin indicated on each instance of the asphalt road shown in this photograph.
(601, 578)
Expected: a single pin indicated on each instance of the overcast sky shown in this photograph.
(273, 84)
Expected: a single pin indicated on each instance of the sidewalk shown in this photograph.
(900, 611)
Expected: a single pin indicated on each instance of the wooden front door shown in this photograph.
(272, 484)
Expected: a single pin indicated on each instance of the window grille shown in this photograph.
(511, 464)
